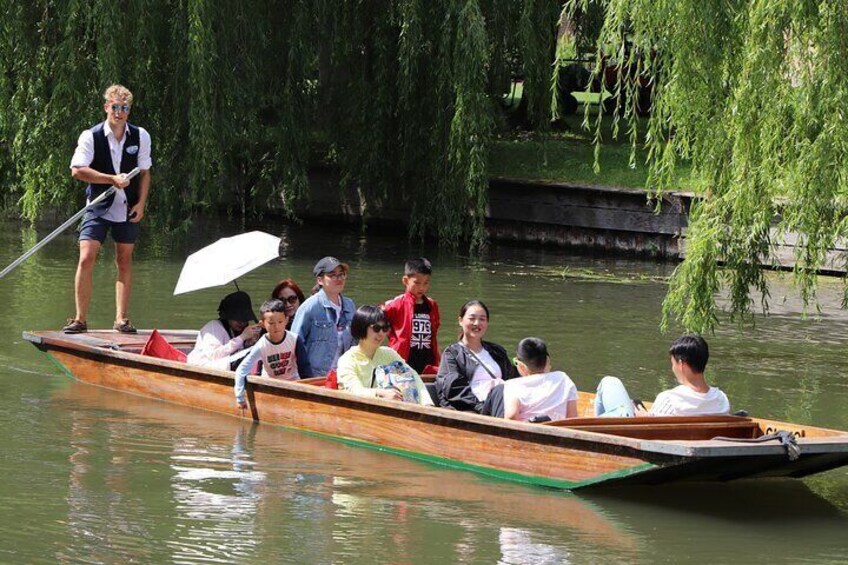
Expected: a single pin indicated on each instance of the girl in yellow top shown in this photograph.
(355, 371)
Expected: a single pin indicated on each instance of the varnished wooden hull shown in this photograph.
(555, 456)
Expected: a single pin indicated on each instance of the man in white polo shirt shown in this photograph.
(104, 154)
(693, 396)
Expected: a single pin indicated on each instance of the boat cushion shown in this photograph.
(157, 346)
(332, 380)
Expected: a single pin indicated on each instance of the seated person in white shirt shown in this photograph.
(221, 343)
(692, 397)
(539, 394)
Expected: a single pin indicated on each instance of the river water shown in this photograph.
(95, 476)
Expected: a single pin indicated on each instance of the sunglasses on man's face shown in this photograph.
(125, 108)
(291, 299)
(381, 328)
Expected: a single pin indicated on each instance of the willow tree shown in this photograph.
(400, 95)
(409, 91)
(754, 95)
(219, 85)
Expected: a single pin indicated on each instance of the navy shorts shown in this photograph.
(96, 228)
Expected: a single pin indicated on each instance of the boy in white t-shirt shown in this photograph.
(277, 351)
(692, 397)
(539, 394)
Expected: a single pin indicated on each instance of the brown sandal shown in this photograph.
(124, 327)
(75, 326)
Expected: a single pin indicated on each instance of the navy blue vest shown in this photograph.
(102, 163)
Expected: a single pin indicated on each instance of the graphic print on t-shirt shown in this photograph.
(422, 337)
(421, 340)
(278, 363)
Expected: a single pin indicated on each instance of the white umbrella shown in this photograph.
(226, 260)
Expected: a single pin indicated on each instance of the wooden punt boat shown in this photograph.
(569, 454)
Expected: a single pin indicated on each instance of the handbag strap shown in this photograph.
(480, 362)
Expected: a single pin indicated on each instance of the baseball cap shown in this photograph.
(328, 265)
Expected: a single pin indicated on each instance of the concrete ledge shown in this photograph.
(785, 248)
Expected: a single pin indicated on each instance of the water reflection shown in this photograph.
(775, 521)
(217, 496)
(103, 499)
(241, 492)
(232, 483)
(519, 546)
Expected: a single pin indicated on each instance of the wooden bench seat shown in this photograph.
(667, 427)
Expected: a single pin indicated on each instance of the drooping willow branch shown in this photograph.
(753, 94)
(239, 96)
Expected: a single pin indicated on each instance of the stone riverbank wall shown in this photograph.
(596, 218)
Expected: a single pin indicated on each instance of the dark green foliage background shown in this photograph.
(403, 97)
(400, 95)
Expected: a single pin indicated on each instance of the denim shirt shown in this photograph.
(315, 323)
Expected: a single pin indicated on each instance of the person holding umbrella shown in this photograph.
(221, 343)
(323, 320)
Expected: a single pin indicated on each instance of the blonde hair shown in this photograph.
(118, 91)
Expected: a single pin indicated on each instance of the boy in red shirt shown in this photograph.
(415, 319)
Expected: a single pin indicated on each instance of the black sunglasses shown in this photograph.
(291, 299)
(381, 327)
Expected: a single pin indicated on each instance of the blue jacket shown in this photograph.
(315, 324)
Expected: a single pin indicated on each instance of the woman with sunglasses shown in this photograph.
(289, 292)
(472, 367)
(356, 368)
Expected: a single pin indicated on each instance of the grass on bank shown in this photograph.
(568, 155)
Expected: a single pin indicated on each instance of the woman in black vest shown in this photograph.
(472, 367)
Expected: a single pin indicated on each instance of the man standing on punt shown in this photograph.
(104, 154)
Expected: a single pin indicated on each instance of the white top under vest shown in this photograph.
(84, 156)
(544, 394)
